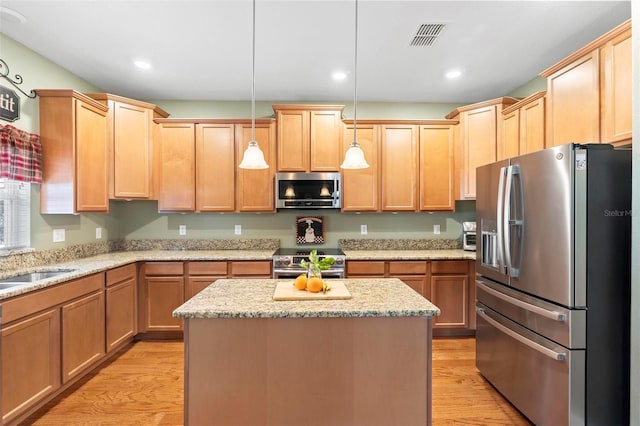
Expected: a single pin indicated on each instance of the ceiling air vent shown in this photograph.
(427, 35)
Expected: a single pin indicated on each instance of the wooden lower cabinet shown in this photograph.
(121, 306)
(202, 274)
(448, 284)
(30, 362)
(413, 273)
(82, 334)
(451, 285)
(162, 292)
(250, 269)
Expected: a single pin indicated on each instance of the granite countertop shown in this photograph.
(409, 254)
(102, 262)
(253, 298)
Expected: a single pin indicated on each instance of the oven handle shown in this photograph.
(533, 345)
(554, 315)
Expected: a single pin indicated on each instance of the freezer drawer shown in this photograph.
(565, 326)
(544, 380)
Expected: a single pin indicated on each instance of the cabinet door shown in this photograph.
(30, 362)
(293, 140)
(480, 138)
(215, 167)
(399, 167)
(509, 144)
(131, 151)
(573, 113)
(436, 168)
(177, 168)
(326, 141)
(197, 283)
(92, 156)
(450, 294)
(255, 188)
(83, 326)
(121, 313)
(532, 126)
(616, 89)
(163, 296)
(361, 187)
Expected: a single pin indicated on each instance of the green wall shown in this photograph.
(143, 221)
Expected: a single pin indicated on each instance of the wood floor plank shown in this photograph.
(143, 385)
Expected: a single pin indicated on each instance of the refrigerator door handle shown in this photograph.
(558, 356)
(507, 221)
(554, 315)
(499, 218)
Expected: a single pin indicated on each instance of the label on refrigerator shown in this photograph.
(581, 161)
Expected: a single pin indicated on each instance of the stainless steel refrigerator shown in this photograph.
(553, 285)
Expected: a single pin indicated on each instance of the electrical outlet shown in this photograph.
(436, 229)
(237, 229)
(182, 229)
(363, 229)
(98, 233)
(58, 235)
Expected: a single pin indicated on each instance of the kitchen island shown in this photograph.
(250, 360)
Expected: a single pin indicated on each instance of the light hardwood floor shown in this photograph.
(143, 385)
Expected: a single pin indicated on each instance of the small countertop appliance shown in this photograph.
(469, 236)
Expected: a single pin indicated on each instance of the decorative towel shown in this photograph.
(20, 155)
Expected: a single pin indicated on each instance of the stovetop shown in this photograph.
(305, 252)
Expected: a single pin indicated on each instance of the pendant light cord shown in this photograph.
(253, 76)
(355, 81)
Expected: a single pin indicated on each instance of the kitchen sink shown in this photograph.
(9, 286)
(33, 277)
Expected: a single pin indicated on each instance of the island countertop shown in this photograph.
(253, 298)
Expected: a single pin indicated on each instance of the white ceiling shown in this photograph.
(201, 50)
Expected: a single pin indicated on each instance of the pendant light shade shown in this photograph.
(253, 157)
(354, 158)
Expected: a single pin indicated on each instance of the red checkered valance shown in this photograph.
(20, 155)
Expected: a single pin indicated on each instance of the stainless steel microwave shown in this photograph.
(308, 190)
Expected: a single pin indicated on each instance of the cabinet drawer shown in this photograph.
(359, 267)
(254, 268)
(207, 268)
(408, 267)
(30, 303)
(163, 268)
(117, 275)
(449, 267)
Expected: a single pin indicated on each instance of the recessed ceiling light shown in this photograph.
(142, 64)
(339, 75)
(11, 15)
(453, 74)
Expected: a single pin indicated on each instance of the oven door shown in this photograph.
(293, 273)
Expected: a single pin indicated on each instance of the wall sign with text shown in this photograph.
(9, 104)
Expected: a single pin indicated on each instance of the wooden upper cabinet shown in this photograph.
(589, 92)
(255, 188)
(615, 87)
(436, 168)
(215, 167)
(479, 135)
(523, 127)
(131, 146)
(399, 159)
(361, 187)
(573, 113)
(177, 188)
(309, 137)
(73, 132)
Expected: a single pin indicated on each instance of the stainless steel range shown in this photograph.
(286, 262)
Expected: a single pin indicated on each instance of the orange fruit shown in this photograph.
(315, 285)
(300, 282)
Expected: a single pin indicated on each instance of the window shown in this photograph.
(15, 216)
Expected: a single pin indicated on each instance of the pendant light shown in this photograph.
(253, 157)
(354, 158)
